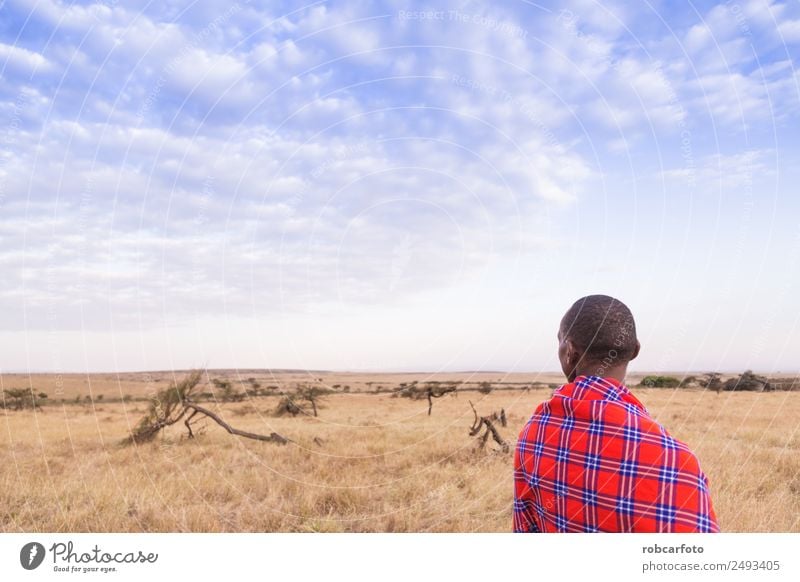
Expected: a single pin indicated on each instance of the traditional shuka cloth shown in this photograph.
(593, 459)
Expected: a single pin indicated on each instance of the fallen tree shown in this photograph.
(486, 423)
(173, 404)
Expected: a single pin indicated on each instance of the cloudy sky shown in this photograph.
(396, 185)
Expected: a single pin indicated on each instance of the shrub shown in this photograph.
(226, 391)
(21, 398)
(747, 381)
(287, 405)
(711, 381)
(660, 382)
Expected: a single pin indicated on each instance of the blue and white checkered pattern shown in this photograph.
(628, 468)
(625, 506)
(666, 513)
(592, 461)
(668, 474)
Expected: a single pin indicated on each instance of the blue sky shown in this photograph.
(396, 185)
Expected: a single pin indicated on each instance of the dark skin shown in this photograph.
(574, 363)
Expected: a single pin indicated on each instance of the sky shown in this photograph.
(396, 185)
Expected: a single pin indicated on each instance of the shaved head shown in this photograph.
(602, 328)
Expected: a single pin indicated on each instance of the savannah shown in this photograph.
(364, 452)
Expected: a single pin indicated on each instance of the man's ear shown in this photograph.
(636, 350)
(573, 354)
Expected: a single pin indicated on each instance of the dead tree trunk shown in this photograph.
(486, 423)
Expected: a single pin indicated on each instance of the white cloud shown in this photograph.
(729, 173)
(192, 223)
(22, 60)
(732, 98)
(790, 30)
(213, 77)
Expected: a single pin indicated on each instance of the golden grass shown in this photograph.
(382, 465)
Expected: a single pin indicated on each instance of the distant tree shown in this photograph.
(429, 391)
(255, 388)
(311, 394)
(226, 391)
(304, 397)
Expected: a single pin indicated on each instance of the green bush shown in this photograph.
(660, 382)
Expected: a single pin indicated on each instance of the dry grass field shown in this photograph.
(369, 462)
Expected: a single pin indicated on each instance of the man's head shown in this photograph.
(597, 337)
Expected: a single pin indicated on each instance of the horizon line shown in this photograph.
(376, 371)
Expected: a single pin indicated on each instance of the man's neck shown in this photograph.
(617, 372)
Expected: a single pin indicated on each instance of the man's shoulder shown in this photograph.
(613, 417)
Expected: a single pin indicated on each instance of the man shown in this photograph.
(592, 458)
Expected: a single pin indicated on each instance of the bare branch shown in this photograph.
(272, 437)
(188, 425)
